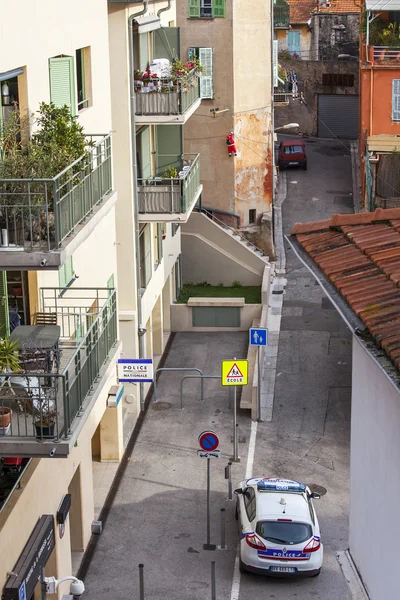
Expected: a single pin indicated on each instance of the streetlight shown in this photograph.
(287, 126)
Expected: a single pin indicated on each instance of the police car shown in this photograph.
(278, 528)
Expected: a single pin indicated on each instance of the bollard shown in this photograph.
(230, 497)
(213, 586)
(141, 582)
(222, 529)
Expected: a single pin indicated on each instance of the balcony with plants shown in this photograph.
(171, 195)
(51, 185)
(167, 92)
(281, 15)
(46, 393)
(382, 40)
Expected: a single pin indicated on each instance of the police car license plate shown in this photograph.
(283, 569)
(293, 163)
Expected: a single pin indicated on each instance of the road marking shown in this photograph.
(249, 470)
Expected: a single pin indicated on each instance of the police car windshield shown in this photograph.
(281, 532)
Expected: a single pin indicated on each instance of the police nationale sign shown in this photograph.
(131, 370)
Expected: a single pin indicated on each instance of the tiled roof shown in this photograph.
(301, 10)
(360, 255)
(341, 6)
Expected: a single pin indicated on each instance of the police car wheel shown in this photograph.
(317, 573)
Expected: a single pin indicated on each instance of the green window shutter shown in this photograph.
(169, 147)
(145, 152)
(144, 57)
(66, 273)
(4, 316)
(218, 7)
(62, 82)
(206, 78)
(194, 9)
(110, 282)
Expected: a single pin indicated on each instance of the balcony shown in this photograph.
(173, 199)
(39, 217)
(162, 101)
(385, 55)
(281, 15)
(52, 395)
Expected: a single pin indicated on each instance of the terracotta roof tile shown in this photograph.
(360, 255)
(342, 6)
(301, 10)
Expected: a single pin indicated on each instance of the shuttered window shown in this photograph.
(205, 57)
(62, 82)
(4, 315)
(218, 8)
(207, 9)
(66, 273)
(396, 100)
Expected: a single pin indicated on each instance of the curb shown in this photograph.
(275, 303)
(356, 586)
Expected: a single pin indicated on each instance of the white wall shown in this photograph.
(375, 476)
(33, 32)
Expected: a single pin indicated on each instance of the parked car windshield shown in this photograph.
(293, 150)
(281, 532)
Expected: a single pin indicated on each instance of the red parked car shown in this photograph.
(292, 153)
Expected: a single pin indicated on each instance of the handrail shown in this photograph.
(234, 231)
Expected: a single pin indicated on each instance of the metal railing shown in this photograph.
(39, 214)
(282, 97)
(45, 404)
(234, 231)
(386, 53)
(162, 97)
(161, 195)
(281, 14)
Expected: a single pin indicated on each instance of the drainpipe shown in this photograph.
(164, 9)
(141, 329)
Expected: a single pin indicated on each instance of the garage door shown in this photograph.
(338, 116)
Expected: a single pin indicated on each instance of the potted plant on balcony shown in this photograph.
(170, 176)
(9, 363)
(44, 417)
(58, 142)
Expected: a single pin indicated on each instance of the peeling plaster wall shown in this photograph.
(242, 67)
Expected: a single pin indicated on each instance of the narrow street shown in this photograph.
(158, 517)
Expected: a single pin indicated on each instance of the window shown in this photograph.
(285, 532)
(205, 56)
(206, 9)
(252, 215)
(66, 274)
(83, 82)
(250, 503)
(293, 150)
(338, 79)
(159, 245)
(145, 257)
(62, 82)
(396, 100)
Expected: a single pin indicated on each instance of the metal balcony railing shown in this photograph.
(281, 14)
(39, 214)
(43, 404)
(161, 195)
(386, 54)
(162, 97)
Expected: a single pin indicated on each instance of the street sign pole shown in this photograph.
(208, 503)
(235, 457)
(209, 442)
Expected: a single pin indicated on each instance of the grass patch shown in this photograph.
(251, 293)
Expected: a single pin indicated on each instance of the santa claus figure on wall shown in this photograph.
(230, 140)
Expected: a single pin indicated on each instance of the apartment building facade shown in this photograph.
(158, 182)
(58, 273)
(233, 43)
(379, 106)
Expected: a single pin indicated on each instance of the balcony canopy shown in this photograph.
(383, 5)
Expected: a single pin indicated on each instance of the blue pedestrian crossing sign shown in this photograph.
(258, 336)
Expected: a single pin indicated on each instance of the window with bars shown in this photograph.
(205, 57)
(207, 9)
(396, 100)
(338, 79)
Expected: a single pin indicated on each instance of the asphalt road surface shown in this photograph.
(159, 514)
